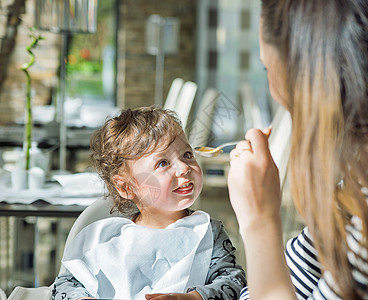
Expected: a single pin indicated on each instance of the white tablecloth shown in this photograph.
(70, 189)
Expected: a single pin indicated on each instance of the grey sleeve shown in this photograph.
(67, 287)
(225, 277)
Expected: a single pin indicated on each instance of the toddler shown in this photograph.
(163, 249)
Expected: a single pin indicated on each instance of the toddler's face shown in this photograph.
(169, 179)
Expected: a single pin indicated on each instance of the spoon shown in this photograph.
(212, 151)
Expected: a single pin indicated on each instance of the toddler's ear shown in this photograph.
(123, 187)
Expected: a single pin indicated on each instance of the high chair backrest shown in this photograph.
(100, 209)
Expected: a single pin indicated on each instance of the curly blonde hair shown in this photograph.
(127, 137)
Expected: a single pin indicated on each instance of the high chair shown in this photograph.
(100, 209)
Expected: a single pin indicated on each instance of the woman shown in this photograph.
(316, 54)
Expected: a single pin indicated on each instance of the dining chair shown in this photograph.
(279, 141)
(201, 126)
(251, 109)
(185, 101)
(215, 169)
(173, 93)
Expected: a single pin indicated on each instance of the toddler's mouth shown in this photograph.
(184, 188)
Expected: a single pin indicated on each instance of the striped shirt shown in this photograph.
(305, 270)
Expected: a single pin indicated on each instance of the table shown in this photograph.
(40, 208)
(21, 214)
(27, 243)
(65, 195)
(46, 136)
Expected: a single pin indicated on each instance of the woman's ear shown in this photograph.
(123, 188)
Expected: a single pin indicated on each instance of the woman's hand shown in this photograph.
(253, 181)
(194, 295)
(254, 188)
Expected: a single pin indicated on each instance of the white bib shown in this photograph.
(116, 258)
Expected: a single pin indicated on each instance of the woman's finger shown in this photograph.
(246, 145)
(267, 131)
(258, 140)
(240, 148)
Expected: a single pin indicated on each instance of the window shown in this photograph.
(91, 68)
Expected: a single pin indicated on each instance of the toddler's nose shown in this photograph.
(182, 169)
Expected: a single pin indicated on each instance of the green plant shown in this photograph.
(28, 125)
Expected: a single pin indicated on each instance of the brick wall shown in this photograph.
(18, 15)
(136, 68)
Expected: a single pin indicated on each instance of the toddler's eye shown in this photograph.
(162, 164)
(188, 155)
